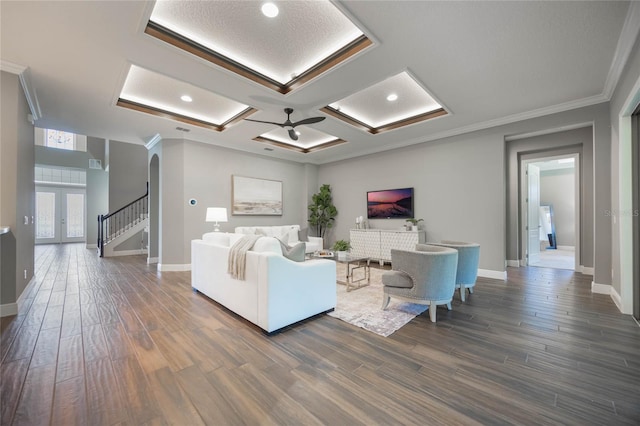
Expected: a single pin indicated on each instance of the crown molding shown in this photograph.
(540, 112)
(11, 67)
(155, 139)
(24, 75)
(628, 37)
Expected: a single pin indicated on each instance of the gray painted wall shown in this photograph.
(557, 187)
(97, 194)
(577, 141)
(17, 190)
(458, 190)
(194, 170)
(127, 173)
(211, 186)
(461, 183)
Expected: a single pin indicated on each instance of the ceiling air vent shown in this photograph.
(95, 164)
(182, 129)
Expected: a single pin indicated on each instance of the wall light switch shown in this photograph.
(26, 220)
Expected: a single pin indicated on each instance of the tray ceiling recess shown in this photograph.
(396, 102)
(156, 94)
(303, 40)
(309, 140)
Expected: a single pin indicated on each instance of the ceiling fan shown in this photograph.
(289, 125)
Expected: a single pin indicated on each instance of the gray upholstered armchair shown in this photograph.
(427, 277)
(468, 259)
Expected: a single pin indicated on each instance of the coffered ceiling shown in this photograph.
(383, 74)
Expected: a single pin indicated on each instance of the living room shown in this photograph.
(466, 178)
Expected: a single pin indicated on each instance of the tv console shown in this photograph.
(376, 244)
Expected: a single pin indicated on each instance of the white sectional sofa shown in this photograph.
(276, 291)
(285, 233)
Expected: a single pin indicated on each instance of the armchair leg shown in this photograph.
(449, 306)
(471, 290)
(432, 312)
(385, 301)
(463, 293)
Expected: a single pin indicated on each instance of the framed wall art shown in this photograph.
(255, 197)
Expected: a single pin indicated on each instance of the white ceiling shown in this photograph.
(487, 62)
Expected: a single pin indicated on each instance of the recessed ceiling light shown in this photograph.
(392, 97)
(297, 133)
(186, 98)
(270, 10)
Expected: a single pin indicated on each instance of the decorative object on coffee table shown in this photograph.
(341, 247)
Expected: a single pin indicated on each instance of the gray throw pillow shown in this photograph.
(295, 253)
(303, 234)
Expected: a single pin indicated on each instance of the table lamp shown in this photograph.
(216, 214)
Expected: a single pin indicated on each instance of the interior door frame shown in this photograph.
(524, 191)
(531, 256)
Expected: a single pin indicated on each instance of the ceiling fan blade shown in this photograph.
(292, 135)
(308, 121)
(267, 122)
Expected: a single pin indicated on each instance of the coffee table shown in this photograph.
(353, 263)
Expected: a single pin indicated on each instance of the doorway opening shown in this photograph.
(550, 212)
(60, 204)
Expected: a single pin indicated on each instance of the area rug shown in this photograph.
(363, 307)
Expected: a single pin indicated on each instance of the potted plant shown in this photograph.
(322, 212)
(414, 223)
(341, 247)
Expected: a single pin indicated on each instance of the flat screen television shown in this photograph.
(390, 204)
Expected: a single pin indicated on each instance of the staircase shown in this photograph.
(120, 228)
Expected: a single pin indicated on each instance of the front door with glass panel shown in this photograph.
(60, 215)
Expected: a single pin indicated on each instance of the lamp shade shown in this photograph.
(216, 214)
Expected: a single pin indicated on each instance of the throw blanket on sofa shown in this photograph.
(238, 256)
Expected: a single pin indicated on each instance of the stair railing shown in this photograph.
(114, 224)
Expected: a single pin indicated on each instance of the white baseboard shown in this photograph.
(570, 248)
(600, 288)
(92, 246)
(152, 260)
(586, 270)
(126, 253)
(496, 275)
(513, 263)
(8, 309)
(618, 300)
(174, 268)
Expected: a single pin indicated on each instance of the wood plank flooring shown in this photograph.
(113, 341)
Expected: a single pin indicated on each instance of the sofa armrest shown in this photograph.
(314, 244)
(290, 291)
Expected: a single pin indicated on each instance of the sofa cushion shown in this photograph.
(218, 238)
(295, 253)
(233, 238)
(303, 235)
(267, 245)
(397, 279)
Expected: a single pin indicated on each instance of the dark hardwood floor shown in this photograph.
(112, 341)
